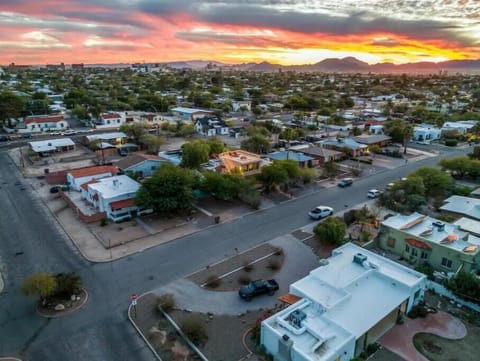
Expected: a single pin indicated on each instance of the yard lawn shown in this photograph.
(437, 348)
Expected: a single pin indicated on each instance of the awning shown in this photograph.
(124, 203)
(289, 299)
(418, 244)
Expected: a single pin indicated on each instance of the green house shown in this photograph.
(417, 238)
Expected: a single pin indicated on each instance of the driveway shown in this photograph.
(299, 261)
(400, 338)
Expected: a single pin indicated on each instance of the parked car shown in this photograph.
(374, 193)
(258, 287)
(69, 132)
(345, 182)
(26, 135)
(4, 138)
(389, 186)
(320, 212)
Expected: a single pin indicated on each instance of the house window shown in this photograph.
(154, 167)
(446, 262)
(391, 242)
(108, 121)
(118, 120)
(423, 255)
(407, 248)
(414, 252)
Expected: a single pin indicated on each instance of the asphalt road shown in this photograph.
(30, 242)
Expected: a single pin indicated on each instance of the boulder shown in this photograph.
(59, 307)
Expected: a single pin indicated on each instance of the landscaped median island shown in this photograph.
(59, 294)
(216, 336)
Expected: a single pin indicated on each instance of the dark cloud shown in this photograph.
(252, 14)
(108, 17)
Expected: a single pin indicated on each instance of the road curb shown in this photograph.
(70, 311)
(149, 345)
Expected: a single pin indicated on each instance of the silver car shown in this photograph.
(320, 212)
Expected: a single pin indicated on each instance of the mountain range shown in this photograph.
(344, 65)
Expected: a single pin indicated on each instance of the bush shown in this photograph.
(273, 264)
(67, 284)
(213, 281)
(446, 218)
(195, 330)
(166, 302)
(244, 279)
(103, 222)
(426, 269)
(451, 142)
(418, 311)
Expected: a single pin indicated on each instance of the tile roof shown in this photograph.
(44, 119)
(124, 203)
(85, 172)
(110, 116)
(85, 185)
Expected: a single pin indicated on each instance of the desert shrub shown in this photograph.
(426, 269)
(67, 284)
(103, 222)
(451, 142)
(365, 236)
(213, 281)
(247, 266)
(194, 328)
(418, 311)
(166, 302)
(446, 218)
(462, 191)
(273, 264)
(244, 279)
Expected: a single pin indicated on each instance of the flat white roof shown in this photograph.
(106, 136)
(115, 186)
(422, 227)
(462, 205)
(50, 144)
(342, 299)
(190, 110)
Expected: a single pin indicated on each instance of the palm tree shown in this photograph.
(407, 133)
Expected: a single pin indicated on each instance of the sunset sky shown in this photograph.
(278, 31)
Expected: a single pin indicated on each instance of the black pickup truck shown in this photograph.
(258, 287)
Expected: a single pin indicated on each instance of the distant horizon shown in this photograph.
(258, 61)
(282, 32)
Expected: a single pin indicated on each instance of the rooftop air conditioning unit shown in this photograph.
(359, 258)
(296, 318)
(440, 225)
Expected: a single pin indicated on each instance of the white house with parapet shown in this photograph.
(77, 177)
(49, 146)
(44, 123)
(350, 301)
(462, 127)
(115, 196)
(241, 105)
(426, 133)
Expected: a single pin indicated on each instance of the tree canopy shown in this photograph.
(168, 190)
(11, 106)
(331, 230)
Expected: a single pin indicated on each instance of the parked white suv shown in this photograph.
(320, 212)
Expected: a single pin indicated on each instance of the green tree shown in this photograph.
(11, 106)
(222, 186)
(400, 131)
(257, 143)
(152, 142)
(332, 230)
(216, 146)
(40, 284)
(195, 153)
(436, 181)
(134, 131)
(292, 169)
(273, 175)
(168, 190)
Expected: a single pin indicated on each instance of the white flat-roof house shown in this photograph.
(191, 114)
(425, 133)
(43, 123)
(460, 205)
(211, 126)
(50, 146)
(115, 196)
(77, 177)
(461, 127)
(351, 300)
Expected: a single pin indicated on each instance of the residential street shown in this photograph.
(31, 242)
